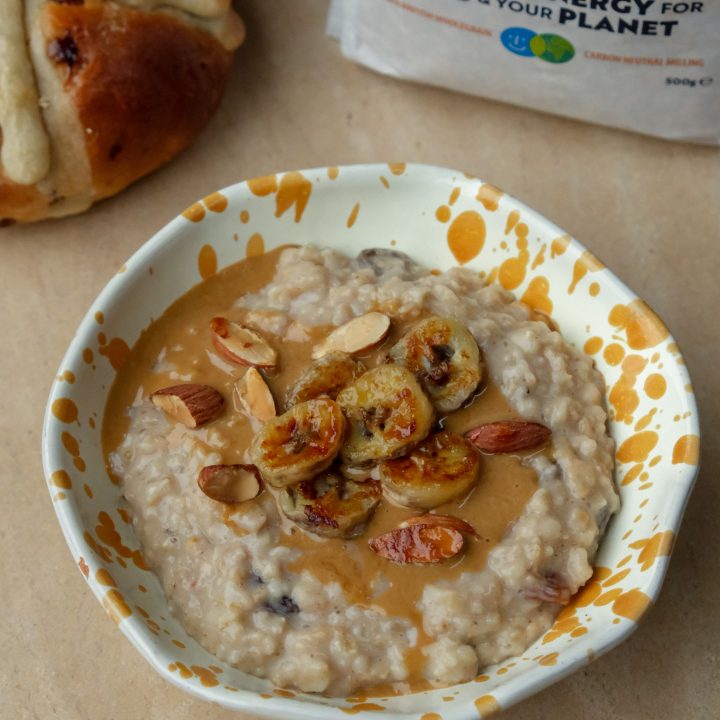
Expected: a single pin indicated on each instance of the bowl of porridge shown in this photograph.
(370, 439)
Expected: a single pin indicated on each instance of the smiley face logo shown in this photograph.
(517, 40)
(547, 46)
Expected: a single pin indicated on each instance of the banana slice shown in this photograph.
(329, 505)
(445, 358)
(440, 468)
(388, 413)
(326, 376)
(300, 443)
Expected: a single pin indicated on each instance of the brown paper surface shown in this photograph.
(647, 208)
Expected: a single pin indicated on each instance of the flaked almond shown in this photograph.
(255, 396)
(192, 404)
(230, 484)
(450, 521)
(356, 336)
(241, 344)
(508, 436)
(418, 544)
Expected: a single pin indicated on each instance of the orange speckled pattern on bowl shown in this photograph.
(441, 218)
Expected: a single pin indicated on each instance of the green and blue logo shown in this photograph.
(546, 46)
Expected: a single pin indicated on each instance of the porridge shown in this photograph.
(358, 474)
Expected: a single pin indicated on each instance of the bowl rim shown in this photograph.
(68, 515)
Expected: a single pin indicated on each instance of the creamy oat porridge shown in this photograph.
(360, 474)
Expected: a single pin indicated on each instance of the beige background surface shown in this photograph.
(649, 209)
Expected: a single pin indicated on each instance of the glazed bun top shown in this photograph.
(95, 94)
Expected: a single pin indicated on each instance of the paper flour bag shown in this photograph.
(646, 65)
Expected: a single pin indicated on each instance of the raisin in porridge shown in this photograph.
(354, 473)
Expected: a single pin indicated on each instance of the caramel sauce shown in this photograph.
(180, 340)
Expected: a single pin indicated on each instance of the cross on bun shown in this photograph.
(94, 94)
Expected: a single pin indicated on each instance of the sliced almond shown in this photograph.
(418, 544)
(355, 336)
(241, 344)
(508, 436)
(255, 396)
(230, 484)
(192, 404)
(455, 523)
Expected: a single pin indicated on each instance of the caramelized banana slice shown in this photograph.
(300, 443)
(444, 356)
(388, 413)
(326, 376)
(440, 468)
(329, 505)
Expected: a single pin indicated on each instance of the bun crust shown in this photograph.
(142, 83)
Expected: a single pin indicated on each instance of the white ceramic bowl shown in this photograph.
(440, 217)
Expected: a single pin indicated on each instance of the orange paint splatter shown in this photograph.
(512, 220)
(466, 236)
(614, 354)
(643, 327)
(207, 261)
(536, 295)
(207, 677)
(594, 289)
(61, 479)
(686, 450)
(559, 245)
(645, 420)
(539, 258)
(583, 265)
(361, 707)
(443, 213)
(294, 189)
(616, 578)
(637, 447)
(255, 246)
(64, 410)
(432, 715)
(655, 386)
(397, 168)
(216, 202)
(593, 345)
(385, 182)
(67, 376)
(115, 606)
(84, 568)
(489, 196)
(179, 644)
(108, 535)
(263, 186)
(659, 545)
(333, 172)
(487, 705)
(631, 474)
(88, 356)
(623, 396)
(352, 217)
(79, 463)
(105, 578)
(195, 213)
(512, 272)
(184, 670)
(454, 195)
(70, 443)
(550, 659)
(283, 693)
(88, 490)
(632, 605)
(116, 351)
(244, 217)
